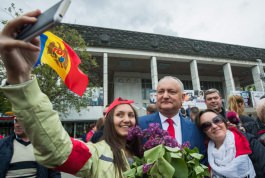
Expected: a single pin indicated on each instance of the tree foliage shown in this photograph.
(11, 11)
(49, 81)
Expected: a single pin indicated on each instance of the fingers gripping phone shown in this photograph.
(45, 21)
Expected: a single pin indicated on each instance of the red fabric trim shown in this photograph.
(75, 80)
(117, 102)
(241, 142)
(261, 132)
(77, 159)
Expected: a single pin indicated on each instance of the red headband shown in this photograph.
(117, 102)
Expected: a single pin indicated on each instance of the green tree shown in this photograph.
(51, 84)
(11, 11)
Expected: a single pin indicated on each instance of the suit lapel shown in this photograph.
(186, 130)
(155, 119)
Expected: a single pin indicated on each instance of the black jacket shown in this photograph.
(254, 127)
(246, 119)
(257, 156)
(6, 152)
(97, 136)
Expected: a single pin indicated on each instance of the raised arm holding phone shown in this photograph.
(53, 147)
(18, 56)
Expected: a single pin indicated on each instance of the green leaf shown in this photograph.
(197, 156)
(130, 173)
(203, 166)
(194, 150)
(181, 169)
(176, 155)
(198, 170)
(137, 161)
(139, 171)
(167, 156)
(154, 171)
(153, 154)
(165, 168)
(175, 149)
(191, 162)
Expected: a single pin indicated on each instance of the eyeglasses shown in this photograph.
(217, 120)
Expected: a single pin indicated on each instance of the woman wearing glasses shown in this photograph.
(229, 151)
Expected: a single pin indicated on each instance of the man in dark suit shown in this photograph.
(169, 100)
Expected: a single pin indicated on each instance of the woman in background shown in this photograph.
(236, 103)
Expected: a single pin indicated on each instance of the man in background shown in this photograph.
(151, 108)
(213, 100)
(17, 157)
(194, 111)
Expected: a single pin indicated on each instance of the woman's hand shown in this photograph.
(18, 56)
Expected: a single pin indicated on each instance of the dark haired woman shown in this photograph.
(228, 149)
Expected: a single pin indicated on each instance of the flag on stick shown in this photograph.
(61, 58)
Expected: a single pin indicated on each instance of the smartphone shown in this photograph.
(45, 21)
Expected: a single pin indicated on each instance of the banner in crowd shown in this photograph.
(255, 96)
(152, 96)
(194, 98)
(188, 99)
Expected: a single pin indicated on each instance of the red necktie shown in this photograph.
(170, 128)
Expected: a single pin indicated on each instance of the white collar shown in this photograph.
(176, 118)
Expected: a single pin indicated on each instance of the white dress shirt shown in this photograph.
(177, 126)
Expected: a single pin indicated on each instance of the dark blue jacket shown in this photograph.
(189, 131)
(6, 153)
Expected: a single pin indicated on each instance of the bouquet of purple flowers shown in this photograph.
(164, 157)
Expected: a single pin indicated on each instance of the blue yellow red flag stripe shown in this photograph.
(62, 59)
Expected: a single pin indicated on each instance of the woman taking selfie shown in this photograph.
(53, 147)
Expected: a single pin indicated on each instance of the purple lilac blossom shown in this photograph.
(147, 167)
(134, 132)
(154, 136)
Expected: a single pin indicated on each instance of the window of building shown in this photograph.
(146, 88)
(205, 85)
(187, 84)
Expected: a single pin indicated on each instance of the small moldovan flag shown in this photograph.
(61, 58)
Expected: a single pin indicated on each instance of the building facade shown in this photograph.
(133, 62)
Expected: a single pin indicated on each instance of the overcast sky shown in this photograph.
(239, 22)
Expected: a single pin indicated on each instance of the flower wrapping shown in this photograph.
(163, 156)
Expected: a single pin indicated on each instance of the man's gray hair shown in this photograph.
(174, 78)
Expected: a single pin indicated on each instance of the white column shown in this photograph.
(256, 78)
(195, 75)
(154, 75)
(229, 80)
(74, 129)
(105, 78)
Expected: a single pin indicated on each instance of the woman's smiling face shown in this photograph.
(124, 118)
(213, 126)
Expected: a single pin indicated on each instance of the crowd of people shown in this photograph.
(228, 151)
